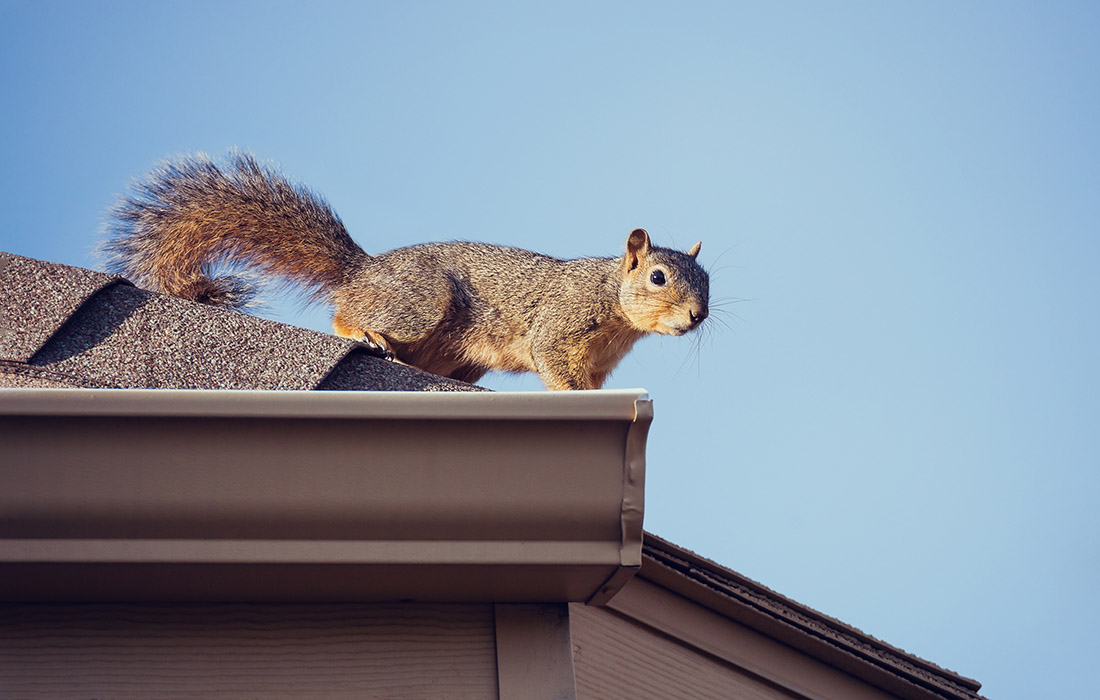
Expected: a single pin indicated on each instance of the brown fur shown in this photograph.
(456, 309)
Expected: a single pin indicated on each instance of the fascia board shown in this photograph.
(503, 497)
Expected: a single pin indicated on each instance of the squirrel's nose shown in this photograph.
(697, 316)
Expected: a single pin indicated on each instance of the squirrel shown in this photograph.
(458, 309)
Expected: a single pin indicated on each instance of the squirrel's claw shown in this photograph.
(377, 350)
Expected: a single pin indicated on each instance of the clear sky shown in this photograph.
(894, 414)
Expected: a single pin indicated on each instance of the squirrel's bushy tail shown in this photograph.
(191, 215)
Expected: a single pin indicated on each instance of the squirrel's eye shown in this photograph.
(657, 277)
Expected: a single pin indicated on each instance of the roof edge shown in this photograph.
(728, 593)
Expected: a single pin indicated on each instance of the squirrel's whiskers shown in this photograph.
(456, 309)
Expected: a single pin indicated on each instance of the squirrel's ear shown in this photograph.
(637, 246)
(694, 252)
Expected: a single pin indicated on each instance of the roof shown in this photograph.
(66, 327)
(63, 326)
(830, 640)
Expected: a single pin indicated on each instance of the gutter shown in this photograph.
(167, 495)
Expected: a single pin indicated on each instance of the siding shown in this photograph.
(616, 658)
(246, 651)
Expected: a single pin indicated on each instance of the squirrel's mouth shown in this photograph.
(695, 319)
(666, 329)
(675, 320)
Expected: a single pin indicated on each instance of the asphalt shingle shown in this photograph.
(66, 326)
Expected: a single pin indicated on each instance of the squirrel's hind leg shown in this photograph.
(372, 339)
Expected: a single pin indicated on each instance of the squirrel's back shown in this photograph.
(191, 215)
(458, 309)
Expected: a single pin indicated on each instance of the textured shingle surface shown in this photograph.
(36, 299)
(65, 326)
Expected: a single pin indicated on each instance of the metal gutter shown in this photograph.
(607, 404)
(633, 503)
(320, 496)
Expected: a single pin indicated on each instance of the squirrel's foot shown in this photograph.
(374, 343)
(377, 350)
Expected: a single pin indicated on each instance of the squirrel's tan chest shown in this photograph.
(608, 346)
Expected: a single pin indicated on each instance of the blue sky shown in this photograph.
(895, 418)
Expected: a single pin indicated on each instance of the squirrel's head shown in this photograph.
(662, 290)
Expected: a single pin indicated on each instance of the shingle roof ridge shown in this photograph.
(37, 298)
(84, 328)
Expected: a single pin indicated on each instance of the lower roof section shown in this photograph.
(320, 496)
(669, 569)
